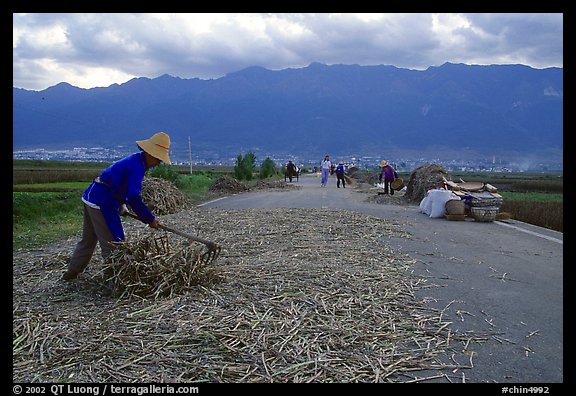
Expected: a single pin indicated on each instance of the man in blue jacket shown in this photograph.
(104, 200)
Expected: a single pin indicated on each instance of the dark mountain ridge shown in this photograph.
(494, 109)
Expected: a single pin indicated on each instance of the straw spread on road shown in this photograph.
(297, 295)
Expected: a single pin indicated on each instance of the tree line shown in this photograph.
(246, 165)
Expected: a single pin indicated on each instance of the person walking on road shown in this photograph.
(340, 175)
(388, 173)
(106, 197)
(326, 165)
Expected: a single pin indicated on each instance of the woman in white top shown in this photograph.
(326, 166)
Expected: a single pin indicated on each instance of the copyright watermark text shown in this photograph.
(101, 390)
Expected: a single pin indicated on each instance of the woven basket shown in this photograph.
(455, 207)
(486, 202)
(397, 184)
(484, 213)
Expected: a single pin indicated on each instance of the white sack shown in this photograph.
(426, 205)
(439, 198)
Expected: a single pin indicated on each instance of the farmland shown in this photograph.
(47, 205)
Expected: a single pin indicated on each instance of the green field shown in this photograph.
(46, 196)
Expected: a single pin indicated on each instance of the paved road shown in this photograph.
(500, 279)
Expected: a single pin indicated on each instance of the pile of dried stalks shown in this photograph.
(162, 196)
(422, 179)
(150, 266)
(308, 295)
(227, 184)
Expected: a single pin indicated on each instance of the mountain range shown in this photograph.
(513, 110)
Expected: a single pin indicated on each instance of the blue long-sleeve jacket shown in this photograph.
(120, 183)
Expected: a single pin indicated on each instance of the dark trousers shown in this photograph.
(340, 177)
(388, 186)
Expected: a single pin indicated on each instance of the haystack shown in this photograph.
(422, 179)
(227, 184)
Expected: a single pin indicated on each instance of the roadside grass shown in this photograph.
(47, 212)
(43, 217)
(195, 186)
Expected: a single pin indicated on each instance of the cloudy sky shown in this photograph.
(97, 50)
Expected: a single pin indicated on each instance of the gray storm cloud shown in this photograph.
(90, 50)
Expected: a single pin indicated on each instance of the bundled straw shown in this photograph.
(149, 267)
(162, 196)
(422, 179)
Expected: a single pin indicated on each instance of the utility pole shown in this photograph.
(190, 153)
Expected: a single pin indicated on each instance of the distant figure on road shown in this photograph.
(106, 198)
(388, 174)
(326, 166)
(291, 170)
(340, 175)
